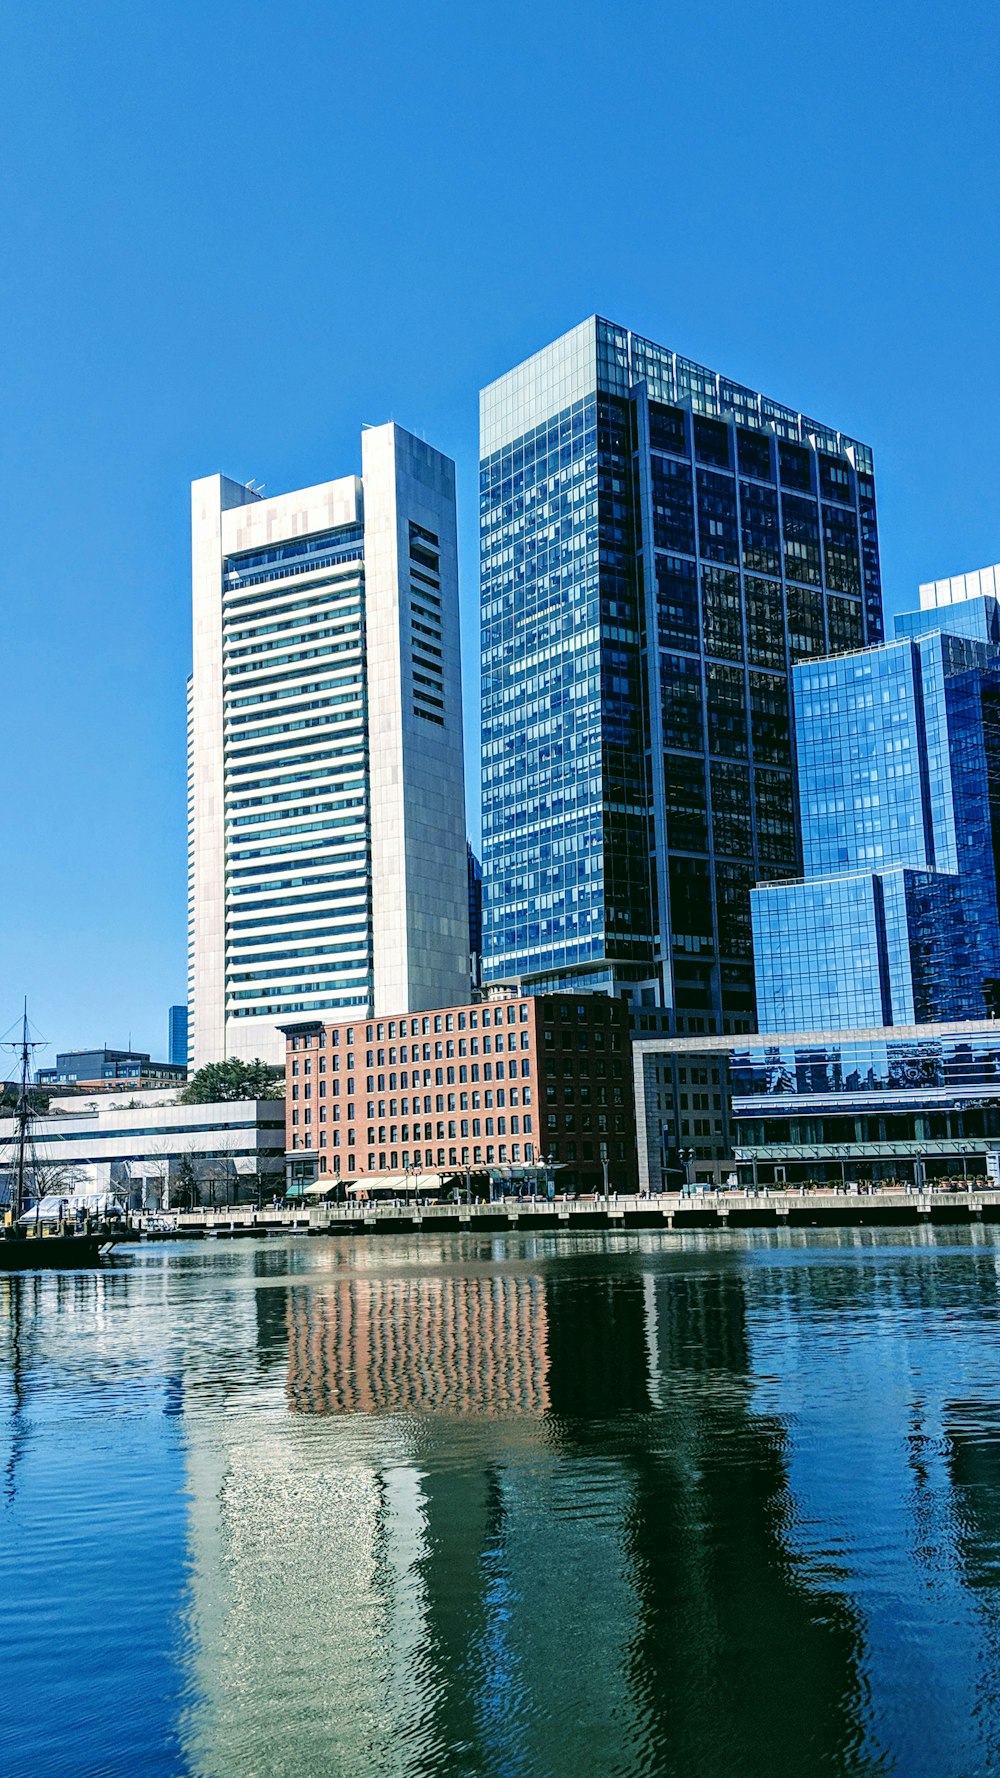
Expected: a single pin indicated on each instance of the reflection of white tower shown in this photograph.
(306, 1591)
(392, 1547)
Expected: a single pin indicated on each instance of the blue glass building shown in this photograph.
(898, 748)
(659, 545)
(178, 1035)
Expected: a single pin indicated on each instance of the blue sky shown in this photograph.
(233, 234)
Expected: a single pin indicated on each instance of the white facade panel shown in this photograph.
(327, 822)
(420, 914)
(980, 583)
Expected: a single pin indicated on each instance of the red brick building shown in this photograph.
(505, 1083)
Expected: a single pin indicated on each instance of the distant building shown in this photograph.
(509, 1083)
(104, 1070)
(326, 786)
(475, 920)
(141, 1144)
(659, 545)
(178, 1044)
(897, 919)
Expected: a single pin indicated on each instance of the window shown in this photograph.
(721, 620)
(666, 429)
(754, 454)
(800, 523)
(765, 619)
(677, 603)
(760, 533)
(794, 467)
(711, 442)
(717, 528)
(681, 705)
(673, 505)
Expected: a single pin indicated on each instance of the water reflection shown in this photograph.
(972, 1441)
(604, 1589)
(613, 1506)
(728, 1618)
(439, 1344)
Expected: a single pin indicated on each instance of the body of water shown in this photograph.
(697, 1506)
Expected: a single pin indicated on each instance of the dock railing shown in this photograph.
(718, 1208)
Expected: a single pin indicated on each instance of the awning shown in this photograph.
(400, 1183)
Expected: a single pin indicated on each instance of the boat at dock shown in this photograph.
(24, 1252)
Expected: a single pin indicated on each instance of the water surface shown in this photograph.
(712, 1506)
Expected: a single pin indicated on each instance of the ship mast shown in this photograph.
(22, 1117)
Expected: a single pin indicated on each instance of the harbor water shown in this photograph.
(698, 1506)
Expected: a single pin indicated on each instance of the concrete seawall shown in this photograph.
(668, 1212)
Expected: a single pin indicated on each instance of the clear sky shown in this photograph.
(232, 234)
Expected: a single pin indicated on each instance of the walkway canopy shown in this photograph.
(398, 1185)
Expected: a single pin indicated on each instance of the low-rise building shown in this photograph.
(151, 1151)
(903, 1103)
(683, 1109)
(504, 1084)
(912, 1103)
(104, 1070)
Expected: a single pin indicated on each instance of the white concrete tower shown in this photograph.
(327, 805)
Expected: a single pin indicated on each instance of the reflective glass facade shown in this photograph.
(659, 546)
(875, 1104)
(178, 1036)
(899, 789)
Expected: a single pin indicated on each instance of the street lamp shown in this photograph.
(410, 1168)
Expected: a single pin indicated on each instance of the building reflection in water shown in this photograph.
(610, 1590)
(972, 1442)
(741, 1661)
(447, 1343)
(614, 1509)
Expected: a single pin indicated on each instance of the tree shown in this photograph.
(185, 1190)
(220, 1081)
(58, 1179)
(38, 1099)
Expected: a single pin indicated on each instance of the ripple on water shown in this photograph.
(609, 1505)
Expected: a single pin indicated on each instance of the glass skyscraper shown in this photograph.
(178, 1035)
(659, 546)
(898, 748)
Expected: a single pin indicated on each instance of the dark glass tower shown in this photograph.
(659, 545)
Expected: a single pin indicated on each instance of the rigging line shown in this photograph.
(18, 1024)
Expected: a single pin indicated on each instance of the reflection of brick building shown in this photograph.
(506, 1083)
(455, 1345)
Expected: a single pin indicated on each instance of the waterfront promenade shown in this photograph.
(670, 1212)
